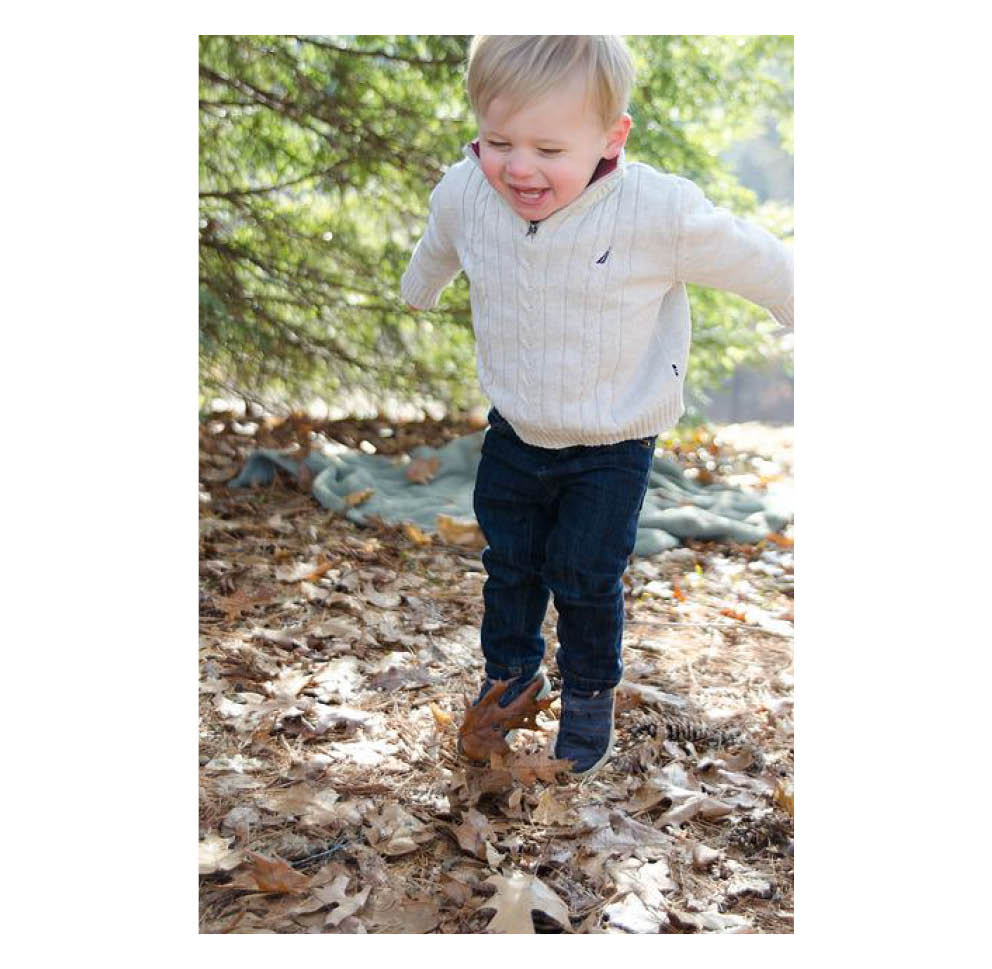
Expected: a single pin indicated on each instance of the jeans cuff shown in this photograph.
(497, 672)
(584, 685)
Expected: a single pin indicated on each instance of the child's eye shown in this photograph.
(496, 144)
(550, 151)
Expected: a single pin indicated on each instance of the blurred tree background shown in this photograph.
(317, 157)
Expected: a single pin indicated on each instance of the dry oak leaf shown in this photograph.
(785, 797)
(238, 603)
(394, 913)
(334, 894)
(415, 534)
(321, 569)
(460, 531)
(314, 807)
(455, 889)
(270, 875)
(631, 915)
(528, 768)
(215, 855)
(783, 541)
(357, 497)
(422, 470)
(483, 731)
(474, 833)
(734, 614)
(395, 832)
(550, 811)
(515, 898)
(441, 719)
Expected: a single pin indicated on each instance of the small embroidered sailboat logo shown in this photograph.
(604, 257)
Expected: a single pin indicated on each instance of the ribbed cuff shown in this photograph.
(417, 294)
(783, 312)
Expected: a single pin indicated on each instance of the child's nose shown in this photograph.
(518, 165)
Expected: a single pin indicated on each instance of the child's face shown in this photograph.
(542, 157)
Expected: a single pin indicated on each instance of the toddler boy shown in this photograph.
(577, 264)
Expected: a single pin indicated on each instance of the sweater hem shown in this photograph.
(662, 418)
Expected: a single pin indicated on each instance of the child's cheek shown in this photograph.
(490, 167)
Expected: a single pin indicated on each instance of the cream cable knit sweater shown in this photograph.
(581, 320)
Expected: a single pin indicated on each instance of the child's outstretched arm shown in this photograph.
(434, 262)
(715, 248)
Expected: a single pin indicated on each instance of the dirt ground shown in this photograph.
(335, 664)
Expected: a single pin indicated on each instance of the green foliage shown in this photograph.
(317, 156)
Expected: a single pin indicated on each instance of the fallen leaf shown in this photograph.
(287, 684)
(368, 752)
(744, 883)
(238, 763)
(650, 694)
(415, 534)
(441, 719)
(550, 810)
(357, 497)
(456, 890)
(473, 833)
(238, 603)
(528, 768)
(482, 732)
(631, 915)
(422, 470)
(785, 797)
(270, 875)
(701, 804)
(298, 572)
(394, 913)
(340, 678)
(383, 600)
(335, 894)
(734, 614)
(216, 855)
(677, 589)
(704, 857)
(622, 833)
(315, 807)
(708, 922)
(649, 880)
(320, 570)
(396, 832)
(456, 531)
(782, 541)
(516, 896)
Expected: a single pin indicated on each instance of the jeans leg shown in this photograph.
(508, 506)
(588, 552)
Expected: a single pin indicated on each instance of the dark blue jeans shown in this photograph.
(559, 521)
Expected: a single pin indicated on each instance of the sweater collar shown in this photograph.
(608, 173)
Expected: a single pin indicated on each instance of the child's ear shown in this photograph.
(617, 136)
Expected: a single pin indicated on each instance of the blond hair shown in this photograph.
(525, 67)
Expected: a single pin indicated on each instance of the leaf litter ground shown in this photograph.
(335, 664)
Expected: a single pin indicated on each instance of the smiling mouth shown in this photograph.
(529, 196)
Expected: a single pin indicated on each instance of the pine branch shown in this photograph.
(354, 52)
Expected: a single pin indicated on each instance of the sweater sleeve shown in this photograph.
(715, 248)
(434, 262)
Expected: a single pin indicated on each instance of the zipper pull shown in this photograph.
(532, 231)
